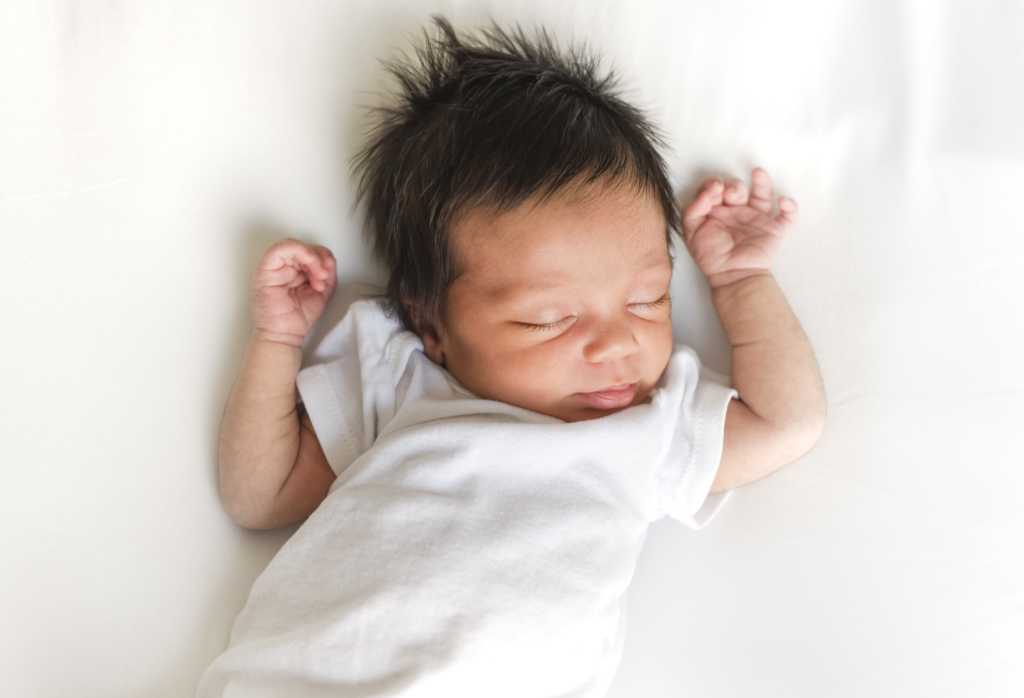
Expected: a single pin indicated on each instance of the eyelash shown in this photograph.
(550, 326)
(653, 304)
(568, 319)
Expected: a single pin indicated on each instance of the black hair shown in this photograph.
(490, 120)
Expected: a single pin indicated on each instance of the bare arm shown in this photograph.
(272, 468)
(781, 410)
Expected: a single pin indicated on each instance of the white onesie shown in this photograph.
(468, 548)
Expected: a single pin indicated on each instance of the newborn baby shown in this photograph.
(480, 452)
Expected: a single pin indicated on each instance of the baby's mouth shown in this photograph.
(609, 398)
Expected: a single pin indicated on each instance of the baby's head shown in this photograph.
(524, 215)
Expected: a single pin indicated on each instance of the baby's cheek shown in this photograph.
(662, 343)
(517, 377)
(544, 377)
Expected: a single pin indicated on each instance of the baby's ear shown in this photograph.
(427, 332)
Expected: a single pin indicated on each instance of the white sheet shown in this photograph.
(150, 151)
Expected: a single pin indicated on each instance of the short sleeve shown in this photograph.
(695, 400)
(347, 396)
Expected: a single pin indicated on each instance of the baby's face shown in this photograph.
(562, 306)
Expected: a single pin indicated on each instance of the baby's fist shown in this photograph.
(729, 229)
(290, 289)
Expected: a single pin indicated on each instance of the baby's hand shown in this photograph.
(729, 230)
(290, 289)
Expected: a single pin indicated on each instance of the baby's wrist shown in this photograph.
(723, 280)
(260, 336)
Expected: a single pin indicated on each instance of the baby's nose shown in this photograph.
(610, 340)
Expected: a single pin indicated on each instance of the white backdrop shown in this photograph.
(149, 151)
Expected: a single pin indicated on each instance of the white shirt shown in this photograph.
(468, 547)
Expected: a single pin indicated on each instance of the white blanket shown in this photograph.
(149, 152)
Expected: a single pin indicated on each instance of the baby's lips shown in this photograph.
(609, 398)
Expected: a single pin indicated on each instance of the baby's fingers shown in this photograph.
(736, 193)
(788, 214)
(761, 191)
(286, 253)
(695, 212)
(291, 263)
(323, 275)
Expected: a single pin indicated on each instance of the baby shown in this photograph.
(480, 453)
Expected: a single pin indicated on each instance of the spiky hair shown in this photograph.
(490, 119)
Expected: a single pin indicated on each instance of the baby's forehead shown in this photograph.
(569, 210)
(556, 244)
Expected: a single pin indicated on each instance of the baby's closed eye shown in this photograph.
(648, 307)
(640, 308)
(549, 326)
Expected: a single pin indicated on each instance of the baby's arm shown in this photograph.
(781, 411)
(272, 468)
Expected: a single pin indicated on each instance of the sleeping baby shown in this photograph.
(480, 451)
